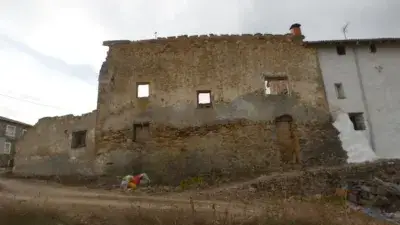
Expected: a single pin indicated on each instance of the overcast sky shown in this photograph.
(51, 52)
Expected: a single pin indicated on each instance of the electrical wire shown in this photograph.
(32, 102)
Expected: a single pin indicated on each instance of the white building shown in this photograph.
(362, 78)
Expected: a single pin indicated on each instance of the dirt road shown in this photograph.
(53, 194)
(57, 194)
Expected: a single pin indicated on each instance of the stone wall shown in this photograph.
(314, 181)
(234, 137)
(46, 148)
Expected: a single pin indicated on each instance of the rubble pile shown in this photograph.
(375, 197)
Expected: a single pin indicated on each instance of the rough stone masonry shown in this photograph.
(211, 107)
(57, 146)
(171, 135)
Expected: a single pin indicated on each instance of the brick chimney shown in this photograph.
(295, 31)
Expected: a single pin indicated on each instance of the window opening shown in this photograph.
(339, 91)
(276, 86)
(358, 121)
(143, 90)
(372, 48)
(78, 139)
(204, 99)
(341, 50)
(141, 132)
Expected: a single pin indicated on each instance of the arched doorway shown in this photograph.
(288, 141)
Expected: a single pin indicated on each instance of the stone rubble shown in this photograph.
(375, 197)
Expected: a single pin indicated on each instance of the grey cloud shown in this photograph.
(140, 19)
(82, 71)
(321, 19)
(137, 19)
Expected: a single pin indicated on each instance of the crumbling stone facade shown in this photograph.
(57, 146)
(171, 135)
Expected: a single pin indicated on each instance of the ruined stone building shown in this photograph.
(361, 78)
(58, 146)
(207, 106)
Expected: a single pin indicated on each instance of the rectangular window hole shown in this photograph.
(358, 120)
(7, 148)
(141, 132)
(276, 86)
(142, 90)
(372, 48)
(339, 91)
(78, 139)
(341, 50)
(204, 99)
(11, 130)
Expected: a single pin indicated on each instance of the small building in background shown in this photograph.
(10, 131)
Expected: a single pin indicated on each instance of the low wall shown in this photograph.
(46, 149)
(315, 181)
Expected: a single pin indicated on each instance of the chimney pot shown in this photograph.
(295, 29)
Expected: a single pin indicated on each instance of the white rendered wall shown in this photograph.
(380, 73)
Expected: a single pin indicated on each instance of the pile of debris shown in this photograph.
(375, 197)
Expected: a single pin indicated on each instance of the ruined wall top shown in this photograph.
(210, 37)
(66, 117)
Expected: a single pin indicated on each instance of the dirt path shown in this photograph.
(54, 190)
(58, 195)
(39, 191)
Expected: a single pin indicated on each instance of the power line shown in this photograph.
(32, 102)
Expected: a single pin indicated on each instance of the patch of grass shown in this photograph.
(191, 182)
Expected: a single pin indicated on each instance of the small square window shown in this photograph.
(78, 139)
(7, 148)
(372, 48)
(339, 91)
(141, 132)
(276, 86)
(341, 50)
(358, 120)
(143, 90)
(204, 99)
(11, 130)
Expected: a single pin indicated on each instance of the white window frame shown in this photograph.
(7, 148)
(24, 131)
(8, 133)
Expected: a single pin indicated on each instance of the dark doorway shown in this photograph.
(287, 139)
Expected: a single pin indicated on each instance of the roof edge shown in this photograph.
(113, 42)
(2, 118)
(354, 41)
(205, 36)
